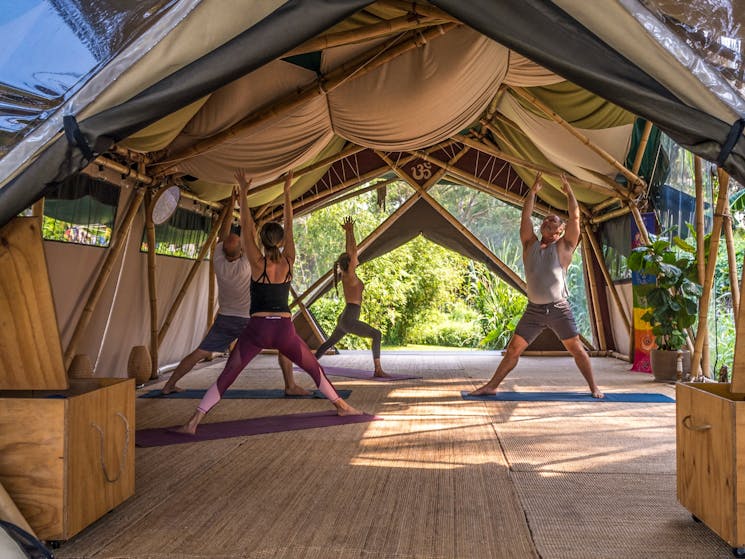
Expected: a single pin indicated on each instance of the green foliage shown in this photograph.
(674, 301)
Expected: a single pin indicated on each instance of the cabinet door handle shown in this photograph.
(125, 449)
(688, 424)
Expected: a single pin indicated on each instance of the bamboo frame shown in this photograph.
(152, 284)
(211, 291)
(700, 250)
(732, 261)
(334, 199)
(375, 31)
(635, 180)
(636, 214)
(120, 236)
(357, 67)
(606, 275)
(594, 297)
(643, 141)
(738, 365)
(610, 215)
(548, 171)
(303, 310)
(416, 8)
(600, 206)
(382, 228)
(703, 313)
(190, 276)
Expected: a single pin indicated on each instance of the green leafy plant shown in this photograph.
(673, 301)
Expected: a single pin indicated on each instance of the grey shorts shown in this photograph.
(225, 330)
(557, 316)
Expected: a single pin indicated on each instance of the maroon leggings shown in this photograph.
(263, 332)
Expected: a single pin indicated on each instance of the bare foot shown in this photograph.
(381, 373)
(485, 390)
(297, 391)
(343, 409)
(597, 394)
(190, 428)
(166, 390)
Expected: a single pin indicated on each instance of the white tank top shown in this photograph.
(233, 284)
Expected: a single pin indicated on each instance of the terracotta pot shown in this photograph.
(664, 364)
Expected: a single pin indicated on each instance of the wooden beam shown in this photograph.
(610, 215)
(355, 68)
(634, 180)
(703, 313)
(700, 250)
(597, 208)
(211, 289)
(732, 263)
(738, 364)
(117, 245)
(192, 272)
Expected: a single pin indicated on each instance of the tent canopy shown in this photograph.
(276, 86)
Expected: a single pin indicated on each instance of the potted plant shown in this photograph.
(672, 303)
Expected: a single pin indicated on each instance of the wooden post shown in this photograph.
(703, 313)
(211, 290)
(606, 274)
(732, 261)
(192, 272)
(152, 284)
(112, 254)
(593, 289)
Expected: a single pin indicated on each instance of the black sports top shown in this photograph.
(270, 297)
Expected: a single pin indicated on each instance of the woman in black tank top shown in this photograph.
(270, 325)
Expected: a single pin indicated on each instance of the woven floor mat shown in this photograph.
(600, 516)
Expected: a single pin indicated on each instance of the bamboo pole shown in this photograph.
(319, 284)
(604, 204)
(375, 31)
(359, 66)
(738, 364)
(703, 313)
(507, 195)
(608, 280)
(112, 254)
(192, 272)
(610, 215)
(416, 9)
(594, 297)
(309, 317)
(636, 214)
(548, 171)
(700, 248)
(732, 262)
(211, 289)
(607, 157)
(454, 222)
(151, 284)
(333, 199)
(643, 141)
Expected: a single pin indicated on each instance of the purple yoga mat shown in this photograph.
(365, 375)
(247, 427)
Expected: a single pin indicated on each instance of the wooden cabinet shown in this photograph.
(67, 457)
(710, 436)
(66, 447)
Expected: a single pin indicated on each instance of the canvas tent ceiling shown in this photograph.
(395, 106)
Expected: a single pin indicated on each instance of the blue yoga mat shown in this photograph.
(507, 396)
(239, 393)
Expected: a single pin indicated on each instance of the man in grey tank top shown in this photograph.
(546, 262)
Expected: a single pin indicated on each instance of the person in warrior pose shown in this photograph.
(546, 262)
(233, 275)
(349, 320)
(270, 325)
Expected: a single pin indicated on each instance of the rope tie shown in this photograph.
(732, 137)
(125, 450)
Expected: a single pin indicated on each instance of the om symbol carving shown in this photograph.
(422, 171)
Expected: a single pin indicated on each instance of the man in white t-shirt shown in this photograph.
(233, 273)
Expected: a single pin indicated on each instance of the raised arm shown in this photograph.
(248, 227)
(572, 231)
(350, 242)
(228, 221)
(527, 234)
(289, 251)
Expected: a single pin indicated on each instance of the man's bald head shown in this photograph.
(231, 246)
